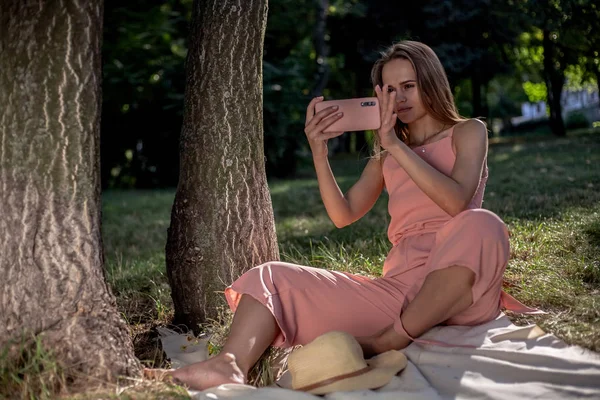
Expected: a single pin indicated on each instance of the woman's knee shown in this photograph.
(273, 273)
(485, 223)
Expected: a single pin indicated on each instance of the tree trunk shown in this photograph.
(485, 108)
(476, 91)
(51, 269)
(597, 72)
(222, 219)
(321, 48)
(555, 80)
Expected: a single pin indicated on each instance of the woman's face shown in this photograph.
(400, 76)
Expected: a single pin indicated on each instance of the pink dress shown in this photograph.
(308, 302)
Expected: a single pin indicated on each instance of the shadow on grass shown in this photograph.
(543, 179)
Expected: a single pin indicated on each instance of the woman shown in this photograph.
(448, 257)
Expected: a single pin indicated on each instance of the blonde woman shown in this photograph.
(448, 254)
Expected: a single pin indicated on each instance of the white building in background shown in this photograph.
(576, 100)
(572, 100)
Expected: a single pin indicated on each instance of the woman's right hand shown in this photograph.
(316, 123)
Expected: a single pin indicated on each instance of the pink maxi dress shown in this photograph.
(308, 302)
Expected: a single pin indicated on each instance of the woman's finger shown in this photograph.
(320, 116)
(384, 99)
(385, 112)
(378, 94)
(315, 131)
(310, 109)
(390, 108)
(392, 102)
(326, 122)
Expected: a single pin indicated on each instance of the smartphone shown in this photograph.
(360, 114)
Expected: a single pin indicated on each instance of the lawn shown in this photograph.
(546, 190)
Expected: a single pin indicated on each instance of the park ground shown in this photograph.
(546, 189)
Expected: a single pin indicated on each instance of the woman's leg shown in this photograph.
(474, 238)
(445, 293)
(252, 331)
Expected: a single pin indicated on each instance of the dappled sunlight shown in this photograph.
(554, 223)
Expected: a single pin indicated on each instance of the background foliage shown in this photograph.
(493, 52)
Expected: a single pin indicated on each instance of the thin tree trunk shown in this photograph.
(555, 79)
(485, 109)
(321, 48)
(222, 219)
(597, 71)
(476, 91)
(52, 281)
(321, 78)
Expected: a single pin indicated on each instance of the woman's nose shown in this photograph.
(400, 98)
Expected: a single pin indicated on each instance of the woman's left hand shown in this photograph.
(382, 341)
(387, 103)
(371, 345)
(368, 345)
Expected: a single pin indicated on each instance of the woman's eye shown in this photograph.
(390, 89)
(409, 85)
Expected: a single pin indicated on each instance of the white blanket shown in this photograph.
(509, 362)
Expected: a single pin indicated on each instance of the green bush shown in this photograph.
(577, 120)
(535, 126)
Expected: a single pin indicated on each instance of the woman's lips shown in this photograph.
(403, 110)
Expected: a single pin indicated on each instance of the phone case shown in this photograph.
(360, 114)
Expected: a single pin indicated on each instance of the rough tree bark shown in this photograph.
(222, 218)
(51, 265)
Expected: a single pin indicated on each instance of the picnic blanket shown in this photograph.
(508, 362)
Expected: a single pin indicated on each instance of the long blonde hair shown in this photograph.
(432, 84)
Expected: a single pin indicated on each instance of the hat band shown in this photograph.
(335, 379)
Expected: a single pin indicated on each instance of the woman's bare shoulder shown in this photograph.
(470, 135)
(472, 127)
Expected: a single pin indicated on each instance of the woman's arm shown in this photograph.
(342, 209)
(452, 193)
(346, 209)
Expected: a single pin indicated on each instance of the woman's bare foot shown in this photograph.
(203, 375)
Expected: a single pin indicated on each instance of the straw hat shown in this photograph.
(334, 362)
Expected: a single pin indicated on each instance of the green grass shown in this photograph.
(546, 190)
(30, 371)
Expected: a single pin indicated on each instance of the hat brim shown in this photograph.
(385, 367)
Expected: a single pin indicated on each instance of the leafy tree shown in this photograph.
(588, 16)
(144, 49)
(560, 34)
(505, 94)
(471, 39)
